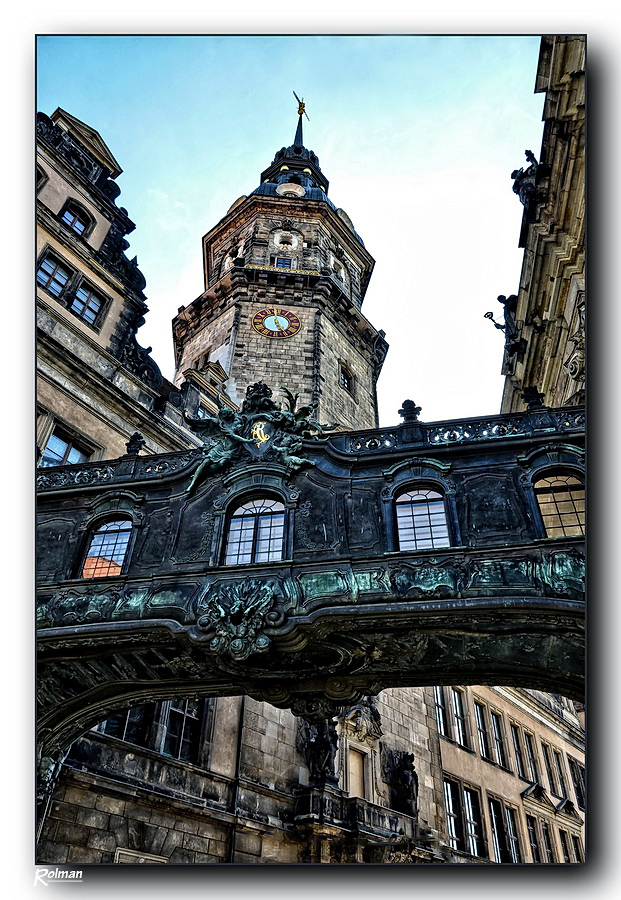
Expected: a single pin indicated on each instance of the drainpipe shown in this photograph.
(240, 734)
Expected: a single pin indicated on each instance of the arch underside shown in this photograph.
(313, 662)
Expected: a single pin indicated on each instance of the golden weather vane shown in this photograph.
(301, 106)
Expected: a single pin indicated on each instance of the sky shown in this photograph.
(417, 135)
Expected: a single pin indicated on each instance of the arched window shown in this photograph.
(421, 520)
(256, 532)
(76, 217)
(561, 503)
(107, 549)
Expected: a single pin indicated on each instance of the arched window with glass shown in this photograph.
(77, 218)
(107, 549)
(421, 519)
(256, 532)
(560, 496)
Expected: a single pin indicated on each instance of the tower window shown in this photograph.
(256, 532)
(346, 378)
(107, 549)
(561, 503)
(283, 262)
(421, 520)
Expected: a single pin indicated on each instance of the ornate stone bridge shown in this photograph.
(344, 611)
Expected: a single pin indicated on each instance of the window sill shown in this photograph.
(457, 744)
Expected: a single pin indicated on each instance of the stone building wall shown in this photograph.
(353, 408)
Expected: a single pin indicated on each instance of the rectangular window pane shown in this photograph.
(499, 744)
(441, 715)
(479, 714)
(532, 759)
(473, 824)
(453, 815)
(513, 842)
(531, 826)
(459, 718)
(517, 751)
(547, 843)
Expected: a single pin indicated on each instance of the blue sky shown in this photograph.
(417, 136)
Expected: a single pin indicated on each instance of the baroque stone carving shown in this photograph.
(135, 444)
(71, 606)
(317, 742)
(363, 721)
(75, 477)
(137, 360)
(399, 773)
(262, 428)
(236, 615)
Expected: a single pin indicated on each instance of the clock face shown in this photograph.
(275, 322)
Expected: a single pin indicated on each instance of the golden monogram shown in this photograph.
(258, 434)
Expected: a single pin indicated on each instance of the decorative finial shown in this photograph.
(298, 140)
(409, 411)
(301, 106)
(135, 444)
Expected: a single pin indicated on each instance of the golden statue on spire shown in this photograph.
(301, 106)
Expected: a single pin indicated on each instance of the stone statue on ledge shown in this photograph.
(318, 745)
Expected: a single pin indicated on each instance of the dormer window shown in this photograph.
(76, 218)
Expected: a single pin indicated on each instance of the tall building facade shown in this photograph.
(524, 750)
(419, 775)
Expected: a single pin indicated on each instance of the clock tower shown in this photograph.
(285, 279)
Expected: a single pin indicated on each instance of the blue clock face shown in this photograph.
(274, 322)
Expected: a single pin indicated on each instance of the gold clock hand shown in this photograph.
(277, 320)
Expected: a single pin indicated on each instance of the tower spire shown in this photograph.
(298, 140)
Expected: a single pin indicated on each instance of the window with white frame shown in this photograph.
(421, 519)
(255, 532)
(481, 723)
(463, 818)
(577, 773)
(459, 717)
(499, 738)
(517, 750)
(505, 839)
